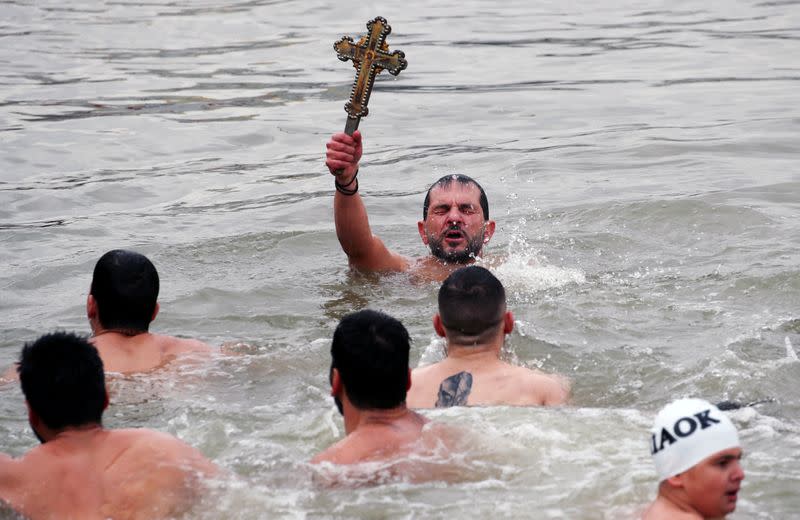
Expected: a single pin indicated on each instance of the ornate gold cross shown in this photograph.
(370, 56)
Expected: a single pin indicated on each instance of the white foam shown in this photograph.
(434, 352)
(790, 352)
(526, 273)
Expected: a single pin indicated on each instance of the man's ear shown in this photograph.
(422, 234)
(408, 384)
(33, 417)
(91, 307)
(508, 323)
(437, 325)
(336, 382)
(488, 231)
(155, 311)
(676, 481)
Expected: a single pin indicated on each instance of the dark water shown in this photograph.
(640, 159)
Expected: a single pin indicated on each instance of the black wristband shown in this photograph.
(343, 188)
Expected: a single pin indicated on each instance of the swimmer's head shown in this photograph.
(62, 378)
(370, 350)
(687, 431)
(125, 288)
(448, 180)
(472, 305)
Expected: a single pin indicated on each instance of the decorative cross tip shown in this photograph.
(370, 56)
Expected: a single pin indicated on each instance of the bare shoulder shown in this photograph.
(550, 389)
(342, 452)
(8, 467)
(660, 509)
(370, 444)
(175, 346)
(154, 472)
(11, 481)
(423, 372)
(443, 437)
(144, 446)
(20, 474)
(422, 394)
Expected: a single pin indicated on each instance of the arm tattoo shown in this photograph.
(455, 390)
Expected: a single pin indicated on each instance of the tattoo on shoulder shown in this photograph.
(454, 391)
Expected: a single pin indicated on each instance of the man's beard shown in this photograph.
(466, 255)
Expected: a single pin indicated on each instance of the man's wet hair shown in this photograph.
(62, 378)
(472, 303)
(125, 286)
(370, 350)
(445, 182)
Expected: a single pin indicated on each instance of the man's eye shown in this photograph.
(439, 211)
(469, 210)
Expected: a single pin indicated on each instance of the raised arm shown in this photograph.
(364, 250)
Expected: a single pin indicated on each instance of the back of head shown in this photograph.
(370, 350)
(62, 377)
(472, 303)
(687, 431)
(125, 287)
(446, 181)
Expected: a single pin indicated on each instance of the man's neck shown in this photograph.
(361, 419)
(676, 499)
(99, 330)
(474, 353)
(72, 434)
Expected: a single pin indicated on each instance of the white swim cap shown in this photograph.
(687, 431)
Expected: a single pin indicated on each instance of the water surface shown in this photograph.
(639, 157)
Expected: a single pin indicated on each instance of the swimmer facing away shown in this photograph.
(697, 454)
(121, 304)
(369, 377)
(474, 320)
(82, 469)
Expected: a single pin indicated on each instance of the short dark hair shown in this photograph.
(125, 286)
(472, 303)
(370, 350)
(446, 181)
(62, 378)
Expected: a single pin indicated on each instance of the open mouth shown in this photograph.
(732, 495)
(454, 234)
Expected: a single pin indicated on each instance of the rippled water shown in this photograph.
(640, 159)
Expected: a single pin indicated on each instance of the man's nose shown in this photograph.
(455, 215)
(738, 472)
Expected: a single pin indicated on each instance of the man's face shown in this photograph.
(713, 484)
(455, 229)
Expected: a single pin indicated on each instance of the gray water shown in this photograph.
(640, 159)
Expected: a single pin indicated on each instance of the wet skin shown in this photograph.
(455, 229)
(713, 484)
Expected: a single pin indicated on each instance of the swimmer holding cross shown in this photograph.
(455, 221)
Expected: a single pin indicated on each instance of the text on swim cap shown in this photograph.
(683, 427)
